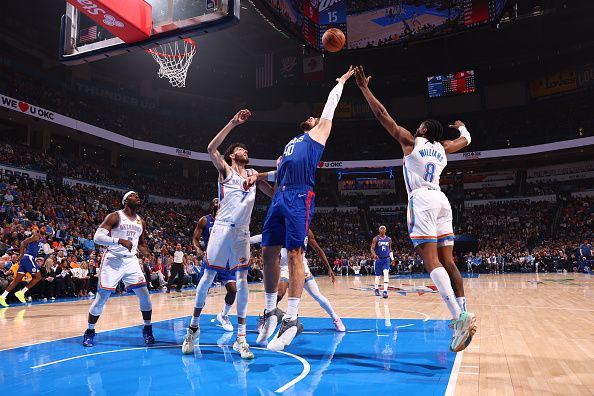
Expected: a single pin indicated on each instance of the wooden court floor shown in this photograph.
(535, 331)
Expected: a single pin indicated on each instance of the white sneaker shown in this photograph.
(225, 322)
(191, 337)
(338, 325)
(285, 335)
(268, 322)
(91, 294)
(240, 345)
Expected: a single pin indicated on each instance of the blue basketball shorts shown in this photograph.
(289, 217)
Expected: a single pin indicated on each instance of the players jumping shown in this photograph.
(429, 211)
(289, 216)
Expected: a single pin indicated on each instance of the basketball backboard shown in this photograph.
(83, 40)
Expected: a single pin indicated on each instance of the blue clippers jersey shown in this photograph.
(206, 232)
(33, 248)
(300, 162)
(382, 246)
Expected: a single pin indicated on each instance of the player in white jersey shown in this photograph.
(229, 244)
(310, 285)
(429, 212)
(122, 232)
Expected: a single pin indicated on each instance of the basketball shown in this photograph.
(333, 39)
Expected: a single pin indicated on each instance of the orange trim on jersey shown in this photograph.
(135, 284)
(445, 235)
(422, 237)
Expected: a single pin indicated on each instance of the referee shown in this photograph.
(177, 270)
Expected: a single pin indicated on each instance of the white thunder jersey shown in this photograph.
(235, 203)
(129, 230)
(423, 166)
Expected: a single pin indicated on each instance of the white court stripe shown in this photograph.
(451, 389)
(302, 375)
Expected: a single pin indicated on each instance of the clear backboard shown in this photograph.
(83, 40)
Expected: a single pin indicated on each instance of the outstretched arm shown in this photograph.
(321, 132)
(311, 240)
(451, 146)
(265, 188)
(404, 137)
(213, 147)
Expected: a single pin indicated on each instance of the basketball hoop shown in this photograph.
(174, 60)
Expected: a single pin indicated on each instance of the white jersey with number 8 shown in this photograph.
(423, 166)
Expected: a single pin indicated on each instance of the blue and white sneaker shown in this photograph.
(377, 293)
(89, 338)
(385, 294)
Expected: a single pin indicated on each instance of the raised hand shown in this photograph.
(241, 117)
(343, 79)
(360, 77)
(457, 124)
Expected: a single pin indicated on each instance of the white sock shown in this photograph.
(440, 277)
(292, 308)
(195, 322)
(91, 326)
(376, 285)
(147, 322)
(462, 303)
(226, 310)
(24, 289)
(241, 330)
(312, 288)
(270, 301)
(5, 294)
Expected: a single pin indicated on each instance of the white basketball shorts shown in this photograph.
(430, 218)
(115, 269)
(284, 267)
(228, 247)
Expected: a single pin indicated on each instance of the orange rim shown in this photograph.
(161, 54)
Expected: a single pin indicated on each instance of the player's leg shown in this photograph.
(283, 286)
(240, 345)
(378, 273)
(423, 216)
(231, 287)
(135, 280)
(146, 308)
(298, 213)
(311, 286)
(109, 277)
(386, 272)
(31, 267)
(17, 279)
(216, 257)
(445, 251)
(273, 236)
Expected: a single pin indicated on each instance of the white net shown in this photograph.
(174, 59)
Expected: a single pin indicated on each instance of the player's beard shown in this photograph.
(133, 205)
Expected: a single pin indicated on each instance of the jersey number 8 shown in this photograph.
(429, 172)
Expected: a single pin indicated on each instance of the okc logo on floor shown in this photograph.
(403, 289)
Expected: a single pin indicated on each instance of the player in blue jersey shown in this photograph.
(27, 265)
(289, 217)
(226, 277)
(381, 251)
